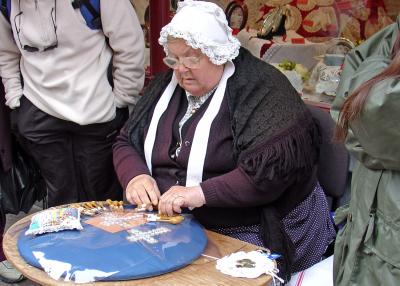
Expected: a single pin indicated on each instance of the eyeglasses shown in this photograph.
(188, 62)
(31, 49)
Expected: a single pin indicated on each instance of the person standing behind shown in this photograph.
(8, 273)
(367, 107)
(65, 108)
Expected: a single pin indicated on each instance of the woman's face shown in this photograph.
(199, 80)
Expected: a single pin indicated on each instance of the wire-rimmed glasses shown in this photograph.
(188, 62)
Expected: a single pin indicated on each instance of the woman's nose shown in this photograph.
(181, 68)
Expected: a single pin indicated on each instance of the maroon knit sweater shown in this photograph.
(224, 184)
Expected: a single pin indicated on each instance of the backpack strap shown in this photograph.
(6, 9)
(90, 10)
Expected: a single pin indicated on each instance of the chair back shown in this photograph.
(333, 162)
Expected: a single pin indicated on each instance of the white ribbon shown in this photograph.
(160, 108)
(194, 175)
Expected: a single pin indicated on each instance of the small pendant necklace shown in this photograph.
(194, 104)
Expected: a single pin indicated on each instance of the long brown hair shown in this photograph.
(354, 103)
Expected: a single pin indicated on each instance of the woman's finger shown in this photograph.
(161, 206)
(129, 196)
(177, 203)
(143, 194)
(135, 197)
(152, 192)
(169, 206)
(165, 204)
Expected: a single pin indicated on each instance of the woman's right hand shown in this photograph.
(142, 189)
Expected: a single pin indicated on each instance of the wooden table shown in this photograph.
(200, 272)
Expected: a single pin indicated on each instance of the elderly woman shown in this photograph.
(225, 135)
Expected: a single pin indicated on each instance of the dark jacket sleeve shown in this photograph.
(238, 188)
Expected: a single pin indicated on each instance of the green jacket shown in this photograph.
(367, 249)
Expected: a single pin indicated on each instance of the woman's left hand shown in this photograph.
(177, 197)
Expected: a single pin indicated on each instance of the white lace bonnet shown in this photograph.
(203, 26)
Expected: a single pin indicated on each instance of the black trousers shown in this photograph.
(75, 160)
(2, 223)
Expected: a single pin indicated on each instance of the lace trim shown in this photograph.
(218, 53)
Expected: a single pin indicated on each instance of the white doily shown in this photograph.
(247, 264)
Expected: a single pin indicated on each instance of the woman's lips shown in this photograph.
(188, 80)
